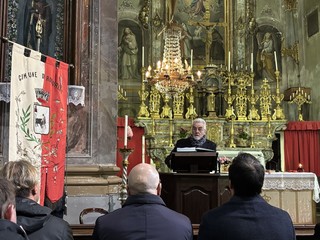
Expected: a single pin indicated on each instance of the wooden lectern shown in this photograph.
(192, 194)
(193, 188)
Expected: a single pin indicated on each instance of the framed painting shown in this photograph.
(204, 27)
(37, 24)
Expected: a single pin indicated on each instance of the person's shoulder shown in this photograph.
(176, 215)
(277, 210)
(211, 142)
(183, 141)
(271, 210)
(58, 222)
(56, 226)
(11, 230)
(110, 216)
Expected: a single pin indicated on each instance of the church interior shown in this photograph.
(248, 67)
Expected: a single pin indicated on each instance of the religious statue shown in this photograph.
(265, 57)
(128, 50)
(185, 42)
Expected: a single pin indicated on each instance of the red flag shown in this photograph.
(54, 147)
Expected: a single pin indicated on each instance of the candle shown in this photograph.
(229, 61)
(125, 131)
(142, 56)
(191, 57)
(143, 148)
(275, 60)
(251, 65)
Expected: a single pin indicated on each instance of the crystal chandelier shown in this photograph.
(170, 76)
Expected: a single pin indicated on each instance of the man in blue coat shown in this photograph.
(144, 215)
(247, 215)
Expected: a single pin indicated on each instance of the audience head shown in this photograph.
(199, 128)
(24, 176)
(144, 178)
(246, 175)
(7, 201)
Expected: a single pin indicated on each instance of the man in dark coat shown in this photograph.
(144, 215)
(34, 218)
(197, 139)
(9, 230)
(247, 215)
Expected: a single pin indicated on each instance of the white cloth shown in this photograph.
(293, 181)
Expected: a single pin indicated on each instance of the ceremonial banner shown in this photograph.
(38, 117)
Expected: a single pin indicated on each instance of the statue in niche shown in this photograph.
(265, 56)
(128, 51)
(185, 42)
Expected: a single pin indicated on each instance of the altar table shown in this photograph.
(295, 193)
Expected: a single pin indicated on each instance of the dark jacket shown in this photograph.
(38, 222)
(246, 219)
(143, 217)
(11, 231)
(186, 142)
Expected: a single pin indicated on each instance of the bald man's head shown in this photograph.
(144, 178)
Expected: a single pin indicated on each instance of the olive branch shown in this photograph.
(25, 118)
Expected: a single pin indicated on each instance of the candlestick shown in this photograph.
(142, 56)
(229, 61)
(191, 58)
(252, 84)
(125, 131)
(275, 60)
(125, 152)
(251, 65)
(143, 148)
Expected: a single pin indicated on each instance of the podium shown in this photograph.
(194, 162)
(192, 194)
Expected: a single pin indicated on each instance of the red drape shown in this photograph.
(302, 145)
(135, 143)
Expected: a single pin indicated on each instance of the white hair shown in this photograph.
(200, 120)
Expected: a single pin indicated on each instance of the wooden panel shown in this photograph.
(190, 194)
(224, 191)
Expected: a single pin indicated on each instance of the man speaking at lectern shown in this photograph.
(197, 139)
